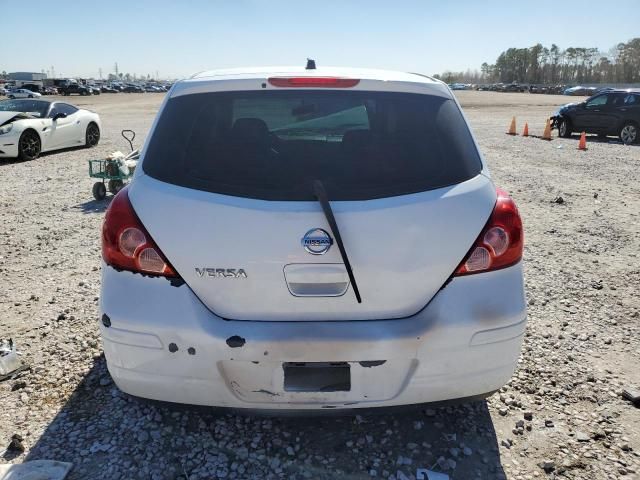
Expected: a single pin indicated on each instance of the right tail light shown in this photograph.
(501, 242)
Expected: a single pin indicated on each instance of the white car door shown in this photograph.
(65, 126)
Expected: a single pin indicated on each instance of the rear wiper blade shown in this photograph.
(321, 195)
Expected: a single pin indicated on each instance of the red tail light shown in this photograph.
(322, 82)
(500, 243)
(127, 245)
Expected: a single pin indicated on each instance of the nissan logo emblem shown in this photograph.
(317, 241)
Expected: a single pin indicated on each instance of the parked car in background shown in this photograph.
(580, 91)
(50, 91)
(29, 127)
(3, 91)
(133, 89)
(75, 89)
(32, 87)
(23, 93)
(329, 161)
(514, 87)
(108, 89)
(458, 86)
(95, 90)
(614, 112)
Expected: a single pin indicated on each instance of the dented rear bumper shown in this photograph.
(162, 343)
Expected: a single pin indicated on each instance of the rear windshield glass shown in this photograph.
(272, 145)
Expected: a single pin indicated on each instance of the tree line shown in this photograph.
(539, 64)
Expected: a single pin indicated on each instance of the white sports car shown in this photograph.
(29, 127)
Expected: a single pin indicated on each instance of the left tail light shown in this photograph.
(127, 245)
(501, 242)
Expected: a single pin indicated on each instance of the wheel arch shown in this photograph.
(629, 121)
(566, 117)
(33, 129)
(563, 117)
(88, 123)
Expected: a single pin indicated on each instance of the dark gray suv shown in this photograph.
(614, 112)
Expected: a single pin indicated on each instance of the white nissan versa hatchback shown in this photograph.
(307, 239)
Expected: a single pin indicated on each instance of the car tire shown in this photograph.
(29, 145)
(30, 96)
(115, 186)
(564, 128)
(99, 191)
(92, 135)
(629, 133)
(11, 97)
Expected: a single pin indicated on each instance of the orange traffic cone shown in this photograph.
(512, 127)
(547, 131)
(525, 132)
(582, 145)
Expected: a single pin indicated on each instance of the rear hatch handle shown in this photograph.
(321, 195)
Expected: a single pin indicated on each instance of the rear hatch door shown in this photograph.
(227, 194)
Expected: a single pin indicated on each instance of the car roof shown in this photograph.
(360, 73)
(623, 90)
(370, 79)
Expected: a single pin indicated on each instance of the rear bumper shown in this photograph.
(466, 342)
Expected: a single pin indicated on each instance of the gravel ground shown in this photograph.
(561, 416)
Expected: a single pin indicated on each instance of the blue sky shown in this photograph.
(178, 38)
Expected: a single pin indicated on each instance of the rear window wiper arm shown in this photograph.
(321, 195)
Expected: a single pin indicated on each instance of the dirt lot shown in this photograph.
(562, 410)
